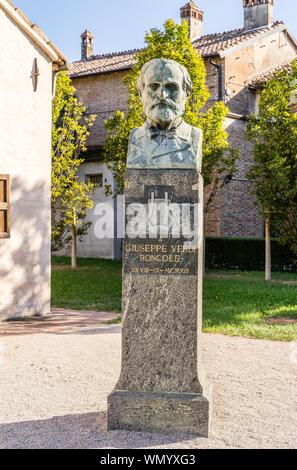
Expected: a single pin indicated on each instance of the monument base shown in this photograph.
(159, 412)
(162, 386)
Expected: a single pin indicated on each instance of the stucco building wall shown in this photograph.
(25, 148)
(91, 246)
(239, 214)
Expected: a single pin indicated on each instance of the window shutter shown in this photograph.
(4, 206)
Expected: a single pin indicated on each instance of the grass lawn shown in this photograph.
(239, 304)
(236, 304)
(96, 285)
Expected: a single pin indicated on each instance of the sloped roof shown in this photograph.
(208, 46)
(216, 44)
(87, 33)
(34, 31)
(190, 4)
(262, 79)
(113, 62)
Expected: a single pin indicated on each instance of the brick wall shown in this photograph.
(102, 94)
(233, 212)
(212, 79)
(212, 219)
(239, 214)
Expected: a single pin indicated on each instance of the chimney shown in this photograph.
(258, 13)
(195, 17)
(87, 45)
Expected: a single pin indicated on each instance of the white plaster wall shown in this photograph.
(271, 51)
(25, 144)
(91, 246)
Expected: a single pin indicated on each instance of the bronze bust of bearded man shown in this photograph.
(165, 141)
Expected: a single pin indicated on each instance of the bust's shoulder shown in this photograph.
(137, 134)
(193, 133)
(197, 133)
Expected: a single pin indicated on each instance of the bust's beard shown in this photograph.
(164, 116)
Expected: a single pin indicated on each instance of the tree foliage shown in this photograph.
(274, 134)
(70, 196)
(172, 43)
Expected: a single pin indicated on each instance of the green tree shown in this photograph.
(274, 135)
(173, 43)
(70, 196)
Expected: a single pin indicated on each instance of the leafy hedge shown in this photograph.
(247, 254)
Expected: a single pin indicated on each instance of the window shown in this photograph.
(257, 102)
(97, 180)
(4, 207)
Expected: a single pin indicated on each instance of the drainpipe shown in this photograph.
(220, 80)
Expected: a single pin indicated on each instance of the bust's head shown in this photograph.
(164, 87)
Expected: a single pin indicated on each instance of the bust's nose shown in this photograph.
(163, 92)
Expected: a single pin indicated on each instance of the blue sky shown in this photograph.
(120, 24)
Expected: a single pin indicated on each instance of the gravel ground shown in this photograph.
(53, 390)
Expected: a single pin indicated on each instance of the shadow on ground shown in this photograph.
(85, 431)
(60, 322)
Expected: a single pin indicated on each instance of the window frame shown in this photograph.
(5, 206)
(88, 177)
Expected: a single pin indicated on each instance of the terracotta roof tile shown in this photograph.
(213, 44)
(209, 45)
(103, 63)
(260, 81)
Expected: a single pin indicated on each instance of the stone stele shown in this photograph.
(162, 387)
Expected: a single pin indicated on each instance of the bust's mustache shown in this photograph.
(164, 104)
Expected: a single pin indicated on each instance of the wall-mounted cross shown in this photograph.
(35, 74)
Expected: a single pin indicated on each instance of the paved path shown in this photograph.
(60, 321)
(53, 390)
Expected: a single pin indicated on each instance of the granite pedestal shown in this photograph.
(162, 387)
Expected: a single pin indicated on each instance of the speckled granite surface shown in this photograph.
(162, 383)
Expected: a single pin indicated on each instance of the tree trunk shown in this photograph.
(74, 248)
(204, 245)
(268, 276)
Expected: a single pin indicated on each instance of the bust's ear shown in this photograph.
(139, 86)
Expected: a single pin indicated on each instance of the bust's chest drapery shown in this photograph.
(179, 151)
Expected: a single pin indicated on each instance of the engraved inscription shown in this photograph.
(162, 231)
(160, 257)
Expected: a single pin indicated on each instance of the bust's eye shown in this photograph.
(154, 86)
(171, 87)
